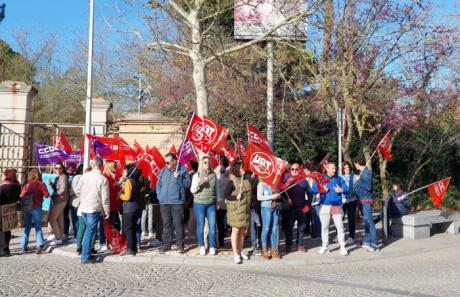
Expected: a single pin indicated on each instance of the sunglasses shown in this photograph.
(295, 169)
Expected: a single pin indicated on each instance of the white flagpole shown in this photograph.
(88, 85)
(424, 187)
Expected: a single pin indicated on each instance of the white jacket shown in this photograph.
(93, 190)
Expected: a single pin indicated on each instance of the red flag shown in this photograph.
(437, 191)
(62, 143)
(384, 146)
(258, 138)
(228, 152)
(323, 163)
(91, 148)
(206, 134)
(264, 164)
(319, 179)
(173, 150)
(214, 162)
(241, 149)
(294, 179)
(138, 148)
(150, 164)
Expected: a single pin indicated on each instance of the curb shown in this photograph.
(332, 258)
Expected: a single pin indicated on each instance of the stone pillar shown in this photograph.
(15, 118)
(99, 115)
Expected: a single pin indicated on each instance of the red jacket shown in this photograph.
(37, 189)
(114, 192)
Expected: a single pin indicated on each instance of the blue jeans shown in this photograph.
(315, 222)
(36, 216)
(90, 221)
(102, 239)
(370, 234)
(203, 211)
(270, 218)
(139, 228)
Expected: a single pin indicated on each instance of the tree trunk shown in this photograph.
(200, 78)
(383, 176)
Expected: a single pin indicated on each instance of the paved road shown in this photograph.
(428, 274)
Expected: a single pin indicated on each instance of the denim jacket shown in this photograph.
(363, 187)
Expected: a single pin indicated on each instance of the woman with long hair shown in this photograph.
(110, 169)
(10, 191)
(59, 199)
(239, 211)
(34, 191)
(350, 201)
(204, 190)
(132, 206)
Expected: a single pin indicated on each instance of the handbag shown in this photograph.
(27, 203)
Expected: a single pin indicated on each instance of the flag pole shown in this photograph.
(424, 187)
(181, 149)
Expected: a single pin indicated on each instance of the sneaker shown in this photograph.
(350, 241)
(55, 242)
(371, 249)
(323, 250)
(243, 256)
(343, 251)
(302, 249)
(65, 237)
(202, 251)
(180, 250)
(237, 259)
(51, 237)
(39, 250)
(72, 240)
(212, 251)
(365, 245)
(256, 251)
(103, 248)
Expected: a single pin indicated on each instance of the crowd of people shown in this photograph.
(213, 202)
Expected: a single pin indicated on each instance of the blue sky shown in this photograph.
(69, 17)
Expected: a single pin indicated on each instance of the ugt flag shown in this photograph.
(264, 164)
(437, 191)
(205, 134)
(228, 152)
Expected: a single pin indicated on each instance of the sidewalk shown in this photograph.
(395, 248)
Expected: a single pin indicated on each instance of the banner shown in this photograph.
(384, 146)
(258, 138)
(265, 165)
(255, 17)
(437, 191)
(45, 177)
(9, 216)
(74, 157)
(46, 154)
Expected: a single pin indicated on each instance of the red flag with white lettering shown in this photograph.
(437, 191)
(228, 152)
(258, 138)
(384, 146)
(264, 164)
(205, 134)
(150, 163)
